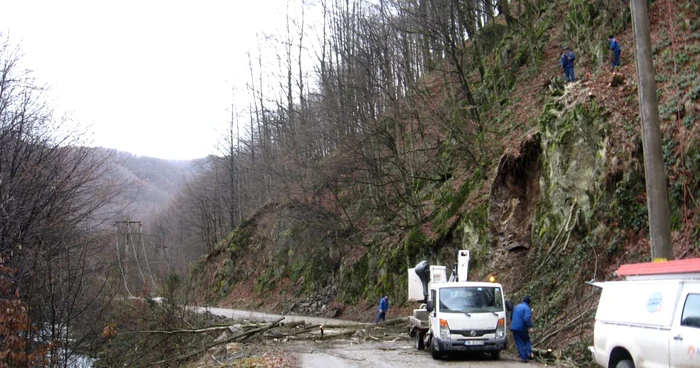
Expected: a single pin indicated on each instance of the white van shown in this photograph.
(652, 319)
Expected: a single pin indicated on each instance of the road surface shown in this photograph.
(266, 317)
(396, 354)
(354, 353)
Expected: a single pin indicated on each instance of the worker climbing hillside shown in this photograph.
(615, 51)
(567, 63)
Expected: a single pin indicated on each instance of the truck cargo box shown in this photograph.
(415, 287)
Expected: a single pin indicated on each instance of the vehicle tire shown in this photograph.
(420, 344)
(495, 355)
(433, 349)
(625, 364)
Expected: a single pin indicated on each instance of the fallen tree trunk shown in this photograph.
(246, 335)
(281, 334)
(242, 336)
(396, 321)
(338, 335)
(354, 325)
(293, 324)
(325, 336)
(304, 330)
(175, 332)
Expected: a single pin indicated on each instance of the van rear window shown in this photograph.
(691, 311)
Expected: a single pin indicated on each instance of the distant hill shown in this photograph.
(148, 183)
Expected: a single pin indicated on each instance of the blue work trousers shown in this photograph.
(569, 74)
(380, 316)
(522, 341)
(616, 59)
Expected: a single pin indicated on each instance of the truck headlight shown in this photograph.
(501, 328)
(444, 330)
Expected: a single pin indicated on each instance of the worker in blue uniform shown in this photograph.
(615, 49)
(520, 325)
(567, 63)
(381, 310)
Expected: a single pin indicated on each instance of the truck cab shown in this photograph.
(467, 316)
(650, 319)
(457, 315)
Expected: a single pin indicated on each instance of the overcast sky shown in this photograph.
(150, 77)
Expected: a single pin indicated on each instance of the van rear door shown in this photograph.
(684, 341)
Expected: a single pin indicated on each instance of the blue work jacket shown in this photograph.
(522, 317)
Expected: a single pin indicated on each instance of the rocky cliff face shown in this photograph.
(284, 249)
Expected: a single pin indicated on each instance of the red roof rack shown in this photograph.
(660, 268)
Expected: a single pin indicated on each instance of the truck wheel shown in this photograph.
(625, 364)
(433, 349)
(420, 344)
(496, 355)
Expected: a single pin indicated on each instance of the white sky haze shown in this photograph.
(153, 78)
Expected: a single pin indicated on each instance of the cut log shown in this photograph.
(293, 324)
(547, 354)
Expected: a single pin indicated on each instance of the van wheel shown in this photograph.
(433, 349)
(625, 364)
(420, 344)
(495, 355)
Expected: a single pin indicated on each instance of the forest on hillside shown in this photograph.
(398, 95)
(388, 131)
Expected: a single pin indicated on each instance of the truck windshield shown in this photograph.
(472, 299)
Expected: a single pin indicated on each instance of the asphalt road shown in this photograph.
(266, 317)
(349, 353)
(394, 354)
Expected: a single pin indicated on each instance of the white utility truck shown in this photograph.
(652, 318)
(456, 315)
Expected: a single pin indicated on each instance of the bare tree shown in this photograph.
(51, 189)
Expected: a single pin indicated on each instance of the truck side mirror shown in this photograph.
(509, 305)
(429, 306)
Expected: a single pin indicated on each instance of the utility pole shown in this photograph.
(123, 229)
(654, 171)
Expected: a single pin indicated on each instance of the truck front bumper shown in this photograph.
(467, 345)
